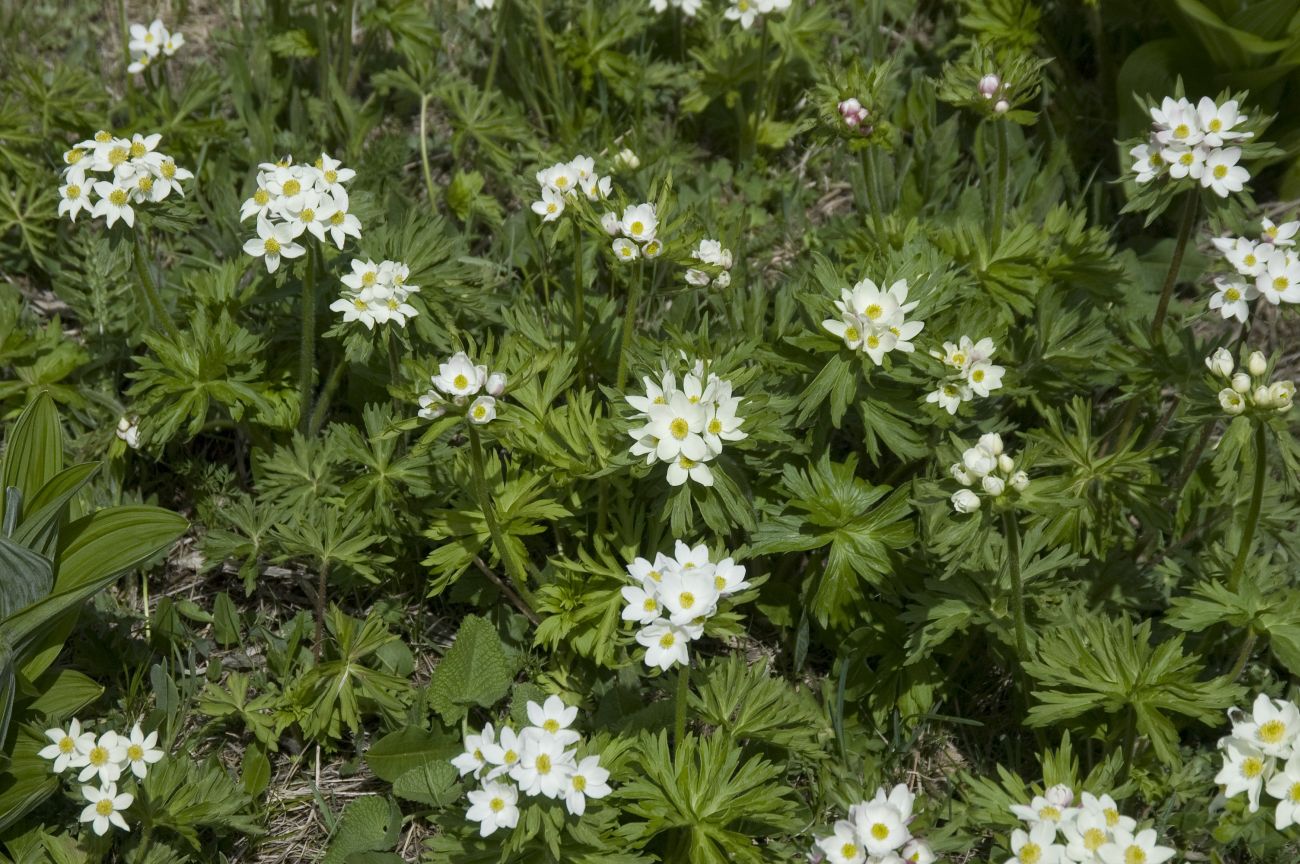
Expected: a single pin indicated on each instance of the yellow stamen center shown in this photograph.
(117, 155)
(1232, 295)
(460, 382)
(686, 599)
(880, 831)
(98, 756)
(308, 214)
(1272, 731)
(67, 745)
(650, 605)
(73, 156)
(849, 851)
(637, 227)
(1031, 853)
(715, 426)
(1112, 817)
(667, 640)
(543, 764)
(874, 311)
(679, 428)
(1252, 767)
(1134, 855)
(74, 191)
(338, 217)
(117, 196)
(497, 805)
(1220, 171)
(1216, 125)
(261, 197)
(331, 176)
(135, 753)
(138, 149)
(103, 137)
(292, 187)
(104, 807)
(272, 246)
(579, 783)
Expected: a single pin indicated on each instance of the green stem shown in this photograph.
(307, 343)
(1175, 264)
(345, 55)
(873, 195)
(1256, 501)
(683, 695)
(513, 567)
(579, 297)
(424, 146)
(493, 62)
(1243, 656)
(1012, 531)
(999, 216)
(322, 582)
(629, 321)
(327, 393)
(1130, 745)
(151, 292)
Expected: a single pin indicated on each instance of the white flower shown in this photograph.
(642, 605)
(147, 40)
(979, 461)
(544, 766)
(586, 780)
(1274, 724)
(639, 222)
(1037, 846)
(665, 644)
(75, 194)
(1176, 122)
(552, 716)
(744, 11)
(103, 757)
(141, 752)
(994, 486)
(273, 242)
(1019, 481)
(1184, 162)
(1281, 394)
(502, 754)
(482, 410)
(1217, 121)
(729, 577)
(609, 221)
(626, 250)
(689, 594)
(105, 807)
(1278, 283)
(1231, 401)
(472, 761)
(114, 203)
(685, 468)
(1109, 810)
(653, 249)
(991, 443)
(355, 309)
(984, 377)
(1279, 235)
(1148, 164)
(69, 748)
(128, 430)
(1084, 835)
(1285, 787)
(1126, 848)
(1257, 363)
(551, 207)
(1245, 769)
(843, 846)
(494, 806)
(459, 376)
(880, 827)
(1231, 299)
(917, 851)
(560, 178)
(949, 396)
(1247, 257)
(627, 159)
(1222, 174)
(1042, 811)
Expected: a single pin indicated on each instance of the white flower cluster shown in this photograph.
(874, 321)
(855, 116)
(687, 427)
(1189, 142)
(638, 227)
(973, 373)
(672, 598)
(1271, 263)
(710, 252)
(987, 467)
(627, 159)
(1263, 753)
(376, 294)
(460, 379)
(876, 832)
(291, 199)
(1092, 833)
(748, 11)
(536, 761)
(140, 173)
(149, 42)
(688, 7)
(1249, 388)
(563, 180)
(107, 758)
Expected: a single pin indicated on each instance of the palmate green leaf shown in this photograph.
(232, 702)
(749, 703)
(582, 603)
(474, 671)
(1107, 665)
(709, 801)
(846, 515)
(182, 797)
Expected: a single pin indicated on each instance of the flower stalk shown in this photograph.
(151, 294)
(998, 218)
(683, 696)
(307, 342)
(513, 567)
(1175, 264)
(629, 321)
(1012, 532)
(1256, 502)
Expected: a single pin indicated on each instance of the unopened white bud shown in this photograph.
(1281, 393)
(496, 384)
(965, 501)
(993, 485)
(1241, 382)
(1220, 363)
(989, 85)
(1257, 363)
(960, 475)
(1060, 795)
(1002, 106)
(610, 223)
(1006, 463)
(991, 443)
(1020, 481)
(1261, 397)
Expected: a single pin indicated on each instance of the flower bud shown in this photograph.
(850, 108)
(1006, 463)
(991, 443)
(959, 474)
(1261, 397)
(698, 278)
(989, 85)
(993, 485)
(917, 851)
(978, 461)
(1220, 363)
(1231, 401)
(1281, 393)
(965, 501)
(1020, 481)
(610, 223)
(1257, 363)
(1002, 106)
(723, 280)
(496, 384)
(1241, 382)
(1060, 795)
(851, 119)
(627, 159)
(483, 411)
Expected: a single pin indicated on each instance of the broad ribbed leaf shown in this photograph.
(47, 509)
(34, 451)
(25, 577)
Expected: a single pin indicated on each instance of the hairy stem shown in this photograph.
(1012, 531)
(683, 695)
(322, 581)
(1175, 264)
(513, 567)
(307, 342)
(1256, 501)
(327, 393)
(1243, 656)
(873, 195)
(579, 298)
(998, 218)
(1130, 744)
(629, 322)
(151, 292)
(424, 146)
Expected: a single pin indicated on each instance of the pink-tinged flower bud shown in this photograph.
(1002, 106)
(850, 106)
(496, 384)
(989, 85)
(851, 120)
